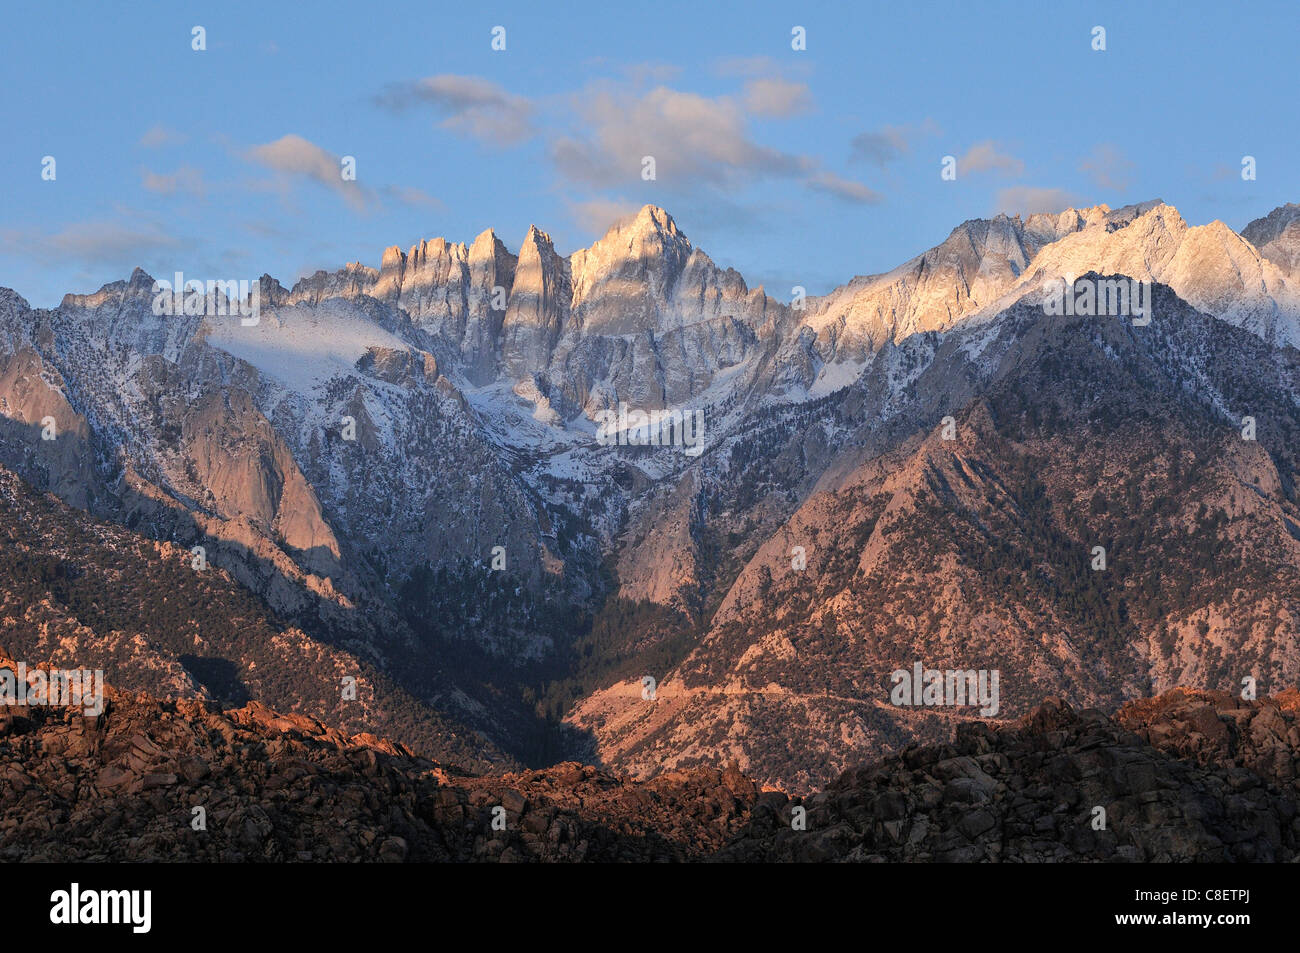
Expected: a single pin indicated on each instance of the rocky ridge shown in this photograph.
(1188, 776)
(356, 458)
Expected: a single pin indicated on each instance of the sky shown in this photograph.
(795, 166)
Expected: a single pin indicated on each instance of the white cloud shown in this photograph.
(985, 157)
(1028, 200)
(832, 184)
(187, 180)
(295, 156)
(471, 106)
(777, 98)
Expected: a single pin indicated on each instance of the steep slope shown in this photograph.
(1277, 236)
(973, 267)
(76, 592)
(984, 266)
(1209, 266)
(367, 454)
(976, 552)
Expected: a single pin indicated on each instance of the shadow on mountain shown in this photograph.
(220, 676)
(134, 611)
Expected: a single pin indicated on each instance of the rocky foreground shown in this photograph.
(1187, 776)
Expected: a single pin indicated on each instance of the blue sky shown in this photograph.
(795, 167)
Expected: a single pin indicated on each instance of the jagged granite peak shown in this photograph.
(621, 283)
(985, 265)
(489, 252)
(139, 285)
(973, 266)
(1124, 215)
(539, 305)
(490, 279)
(465, 403)
(349, 281)
(1277, 236)
(431, 279)
(271, 292)
(643, 276)
(1263, 230)
(1210, 266)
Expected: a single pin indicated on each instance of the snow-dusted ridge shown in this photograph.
(472, 369)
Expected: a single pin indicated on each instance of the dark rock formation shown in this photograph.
(1188, 776)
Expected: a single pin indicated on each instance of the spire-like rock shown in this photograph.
(491, 269)
(491, 264)
(392, 270)
(538, 306)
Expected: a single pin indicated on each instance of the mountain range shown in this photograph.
(395, 476)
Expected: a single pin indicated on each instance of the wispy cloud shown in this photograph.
(692, 138)
(702, 146)
(113, 245)
(1108, 167)
(1223, 172)
(756, 66)
(777, 98)
(409, 195)
(646, 72)
(1029, 200)
(985, 157)
(889, 143)
(470, 106)
(186, 180)
(842, 188)
(296, 157)
(159, 135)
(600, 215)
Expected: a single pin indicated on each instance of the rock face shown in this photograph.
(1184, 777)
(1277, 236)
(539, 306)
(1031, 792)
(971, 548)
(249, 473)
(1210, 267)
(50, 441)
(403, 464)
(975, 266)
(82, 593)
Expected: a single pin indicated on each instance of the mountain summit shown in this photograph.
(406, 472)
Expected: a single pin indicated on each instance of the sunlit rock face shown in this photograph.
(410, 459)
